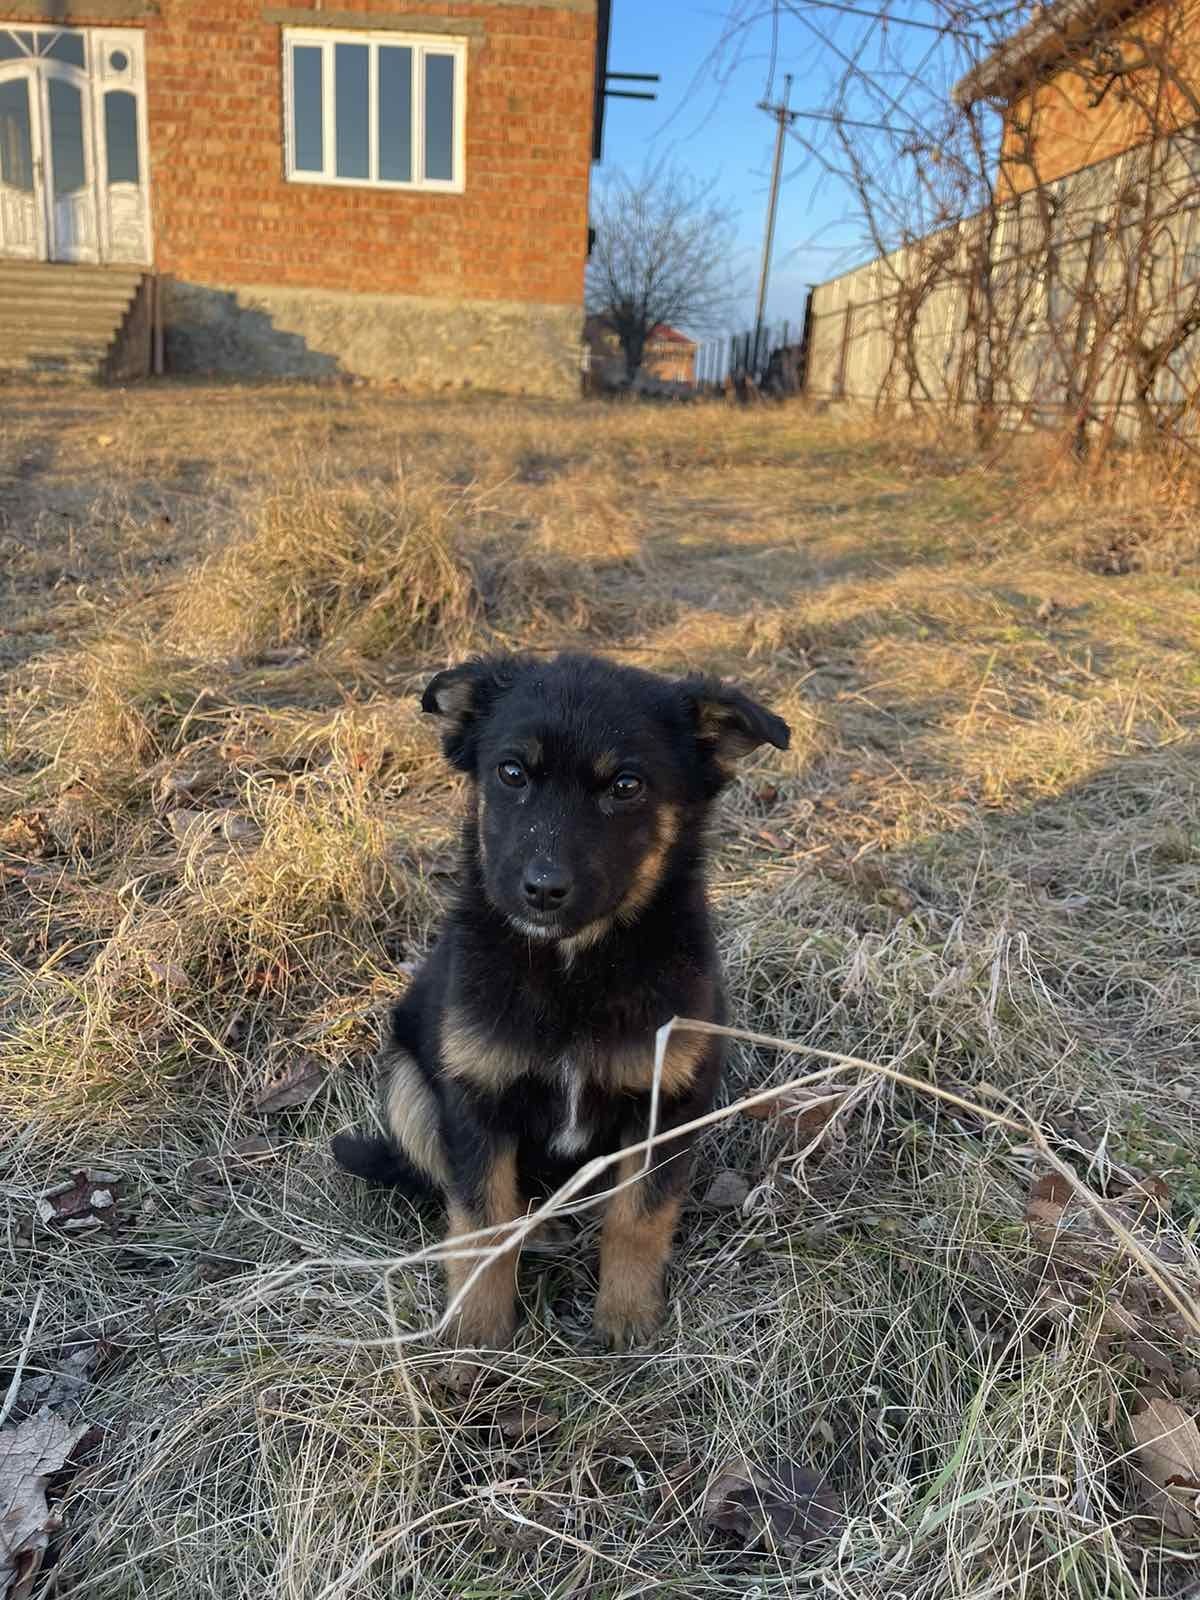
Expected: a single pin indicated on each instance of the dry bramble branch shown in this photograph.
(486, 1246)
(1031, 193)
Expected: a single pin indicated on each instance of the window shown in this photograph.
(374, 108)
(121, 136)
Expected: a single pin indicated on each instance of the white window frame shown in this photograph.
(421, 45)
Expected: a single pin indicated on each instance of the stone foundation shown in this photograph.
(422, 343)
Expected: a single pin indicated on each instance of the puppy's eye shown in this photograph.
(512, 774)
(627, 786)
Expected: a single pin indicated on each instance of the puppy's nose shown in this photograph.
(546, 885)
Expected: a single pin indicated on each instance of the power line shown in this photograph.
(883, 16)
(846, 122)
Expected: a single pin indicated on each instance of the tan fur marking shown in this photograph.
(606, 764)
(479, 840)
(455, 699)
(719, 724)
(587, 936)
(411, 1113)
(635, 1247)
(632, 1069)
(468, 1052)
(648, 873)
(487, 1314)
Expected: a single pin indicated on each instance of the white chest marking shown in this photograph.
(573, 1136)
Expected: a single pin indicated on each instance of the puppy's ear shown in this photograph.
(461, 698)
(729, 724)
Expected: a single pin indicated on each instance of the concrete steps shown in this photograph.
(62, 320)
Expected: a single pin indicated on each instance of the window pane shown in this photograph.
(16, 144)
(439, 116)
(66, 137)
(351, 94)
(66, 47)
(10, 46)
(395, 114)
(120, 136)
(308, 134)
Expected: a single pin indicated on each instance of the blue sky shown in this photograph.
(706, 120)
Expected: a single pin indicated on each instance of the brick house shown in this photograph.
(1087, 80)
(670, 356)
(320, 190)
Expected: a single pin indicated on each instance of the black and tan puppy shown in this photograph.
(525, 1045)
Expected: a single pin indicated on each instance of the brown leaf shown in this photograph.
(807, 1110)
(727, 1191)
(28, 835)
(526, 1421)
(85, 1202)
(295, 1086)
(30, 1454)
(769, 836)
(1049, 1196)
(169, 973)
(1167, 1446)
(783, 1506)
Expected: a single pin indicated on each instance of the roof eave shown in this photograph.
(1014, 64)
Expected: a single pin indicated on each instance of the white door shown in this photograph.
(73, 183)
(69, 163)
(22, 211)
(119, 91)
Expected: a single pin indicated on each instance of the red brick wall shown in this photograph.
(224, 214)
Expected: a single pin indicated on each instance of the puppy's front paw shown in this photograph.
(624, 1318)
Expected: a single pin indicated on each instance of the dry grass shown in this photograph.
(224, 830)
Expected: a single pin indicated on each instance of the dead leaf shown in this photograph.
(1049, 1197)
(526, 1421)
(773, 839)
(1060, 1220)
(30, 1454)
(1167, 1445)
(192, 828)
(85, 1202)
(784, 1506)
(727, 1191)
(808, 1111)
(105, 439)
(295, 1086)
(169, 973)
(72, 1372)
(28, 835)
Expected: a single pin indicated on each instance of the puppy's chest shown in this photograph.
(576, 1070)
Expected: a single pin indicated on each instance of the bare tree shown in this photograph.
(662, 255)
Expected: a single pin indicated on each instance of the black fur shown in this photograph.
(579, 927)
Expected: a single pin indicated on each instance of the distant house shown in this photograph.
(394, 193)
(670, 356)
(1086, 81)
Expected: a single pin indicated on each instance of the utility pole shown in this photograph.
(783, 121)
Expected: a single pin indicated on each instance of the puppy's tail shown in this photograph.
(378, 1160)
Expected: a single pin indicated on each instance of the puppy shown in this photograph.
(525, 1044)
